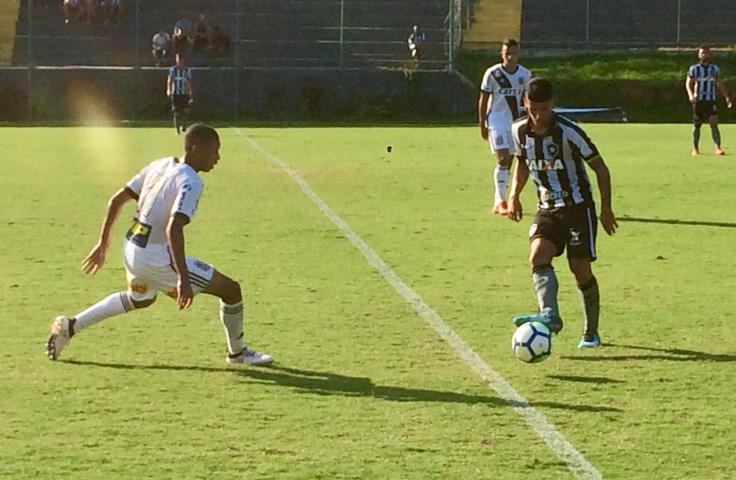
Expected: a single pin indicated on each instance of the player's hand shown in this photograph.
(191, 101)
(693, 99)
(484, 132)
(184, 294)
(608, 221)
(95, 260)
(515, 212)
(729, 103)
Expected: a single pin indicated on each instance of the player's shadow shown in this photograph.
(328, 383)
(579, 379)
(655, 353)
(677, 222)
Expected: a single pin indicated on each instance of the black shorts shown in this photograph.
(703, 110)
(179, 103)
(574, 228)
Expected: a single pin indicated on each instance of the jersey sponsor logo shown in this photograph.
(202, 266)
(574, 238)
(510, 91)
(545, 165)
(138, 233)
(548, 196)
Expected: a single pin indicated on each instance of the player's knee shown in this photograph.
(232, 292)
(143, 303)
(581, 270)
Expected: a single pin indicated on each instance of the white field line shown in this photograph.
(564, 450)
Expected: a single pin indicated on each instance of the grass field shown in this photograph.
(363, 387)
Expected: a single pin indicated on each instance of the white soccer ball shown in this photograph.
(532, 342)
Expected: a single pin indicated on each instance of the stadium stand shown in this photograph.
(8, 15)
(492, 21)
(271, 33)
(627, 23)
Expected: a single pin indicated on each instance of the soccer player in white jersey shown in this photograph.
(504, 84)
(555, 153)
(702, 80)
(167, 192)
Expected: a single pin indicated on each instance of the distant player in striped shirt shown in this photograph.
(499, 105)
(167, 192)
(179, 88)
(555, 153)
(702, 80)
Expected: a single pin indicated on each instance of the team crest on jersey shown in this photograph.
(497, 73)
(521, 80)
(552, 149)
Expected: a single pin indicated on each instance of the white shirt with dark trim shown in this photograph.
(507, 90)
(164, 188)
(705, 76)
(556, 161)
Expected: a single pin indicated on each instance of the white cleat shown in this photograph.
(60, 335)
(250, 357)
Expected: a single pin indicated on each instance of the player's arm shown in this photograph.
(96, 258)
(190, 87)
(608, 219)
(518, 181)
(690, 88)
(483, 113)
(175, 240)
(169, 88)
(722, 88)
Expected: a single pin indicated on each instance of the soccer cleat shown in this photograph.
(250, 357)
(553, 322)
(695, 152)
(60, 335)
(500, 208)
(719, 151)
(590, 341)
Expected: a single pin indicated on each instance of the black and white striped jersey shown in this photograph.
(556, 161)
(179, 80)
(705, 76)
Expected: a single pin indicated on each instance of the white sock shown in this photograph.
(114, 304)
(232, 319)
(500, 179)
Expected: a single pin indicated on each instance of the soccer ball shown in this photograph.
(532, 342)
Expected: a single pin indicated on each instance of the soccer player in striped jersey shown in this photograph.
(179, 88)
(555, 152)
(167, 192)
(503, 86)
(702, 80)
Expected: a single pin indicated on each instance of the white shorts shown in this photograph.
(149, 271)
(501, 139)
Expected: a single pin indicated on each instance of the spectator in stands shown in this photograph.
(72, 8)
(161, 43)
(415, 41)
(182, 35)
(220, 41)
(202, 34)
(113, 11)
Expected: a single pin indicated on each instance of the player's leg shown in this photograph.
(715, 134)
(580, 254)
(500, 141)
(64, 328)
(544, 245)
(231, 316)
(175, 111)
(697, 122)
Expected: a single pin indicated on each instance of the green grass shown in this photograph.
(363, 388)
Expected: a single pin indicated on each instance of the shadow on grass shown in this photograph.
(671, 354)
(576, 378)
(328, 383)
(677, 222)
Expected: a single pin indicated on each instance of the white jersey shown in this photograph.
(506, 89)
(163, 188)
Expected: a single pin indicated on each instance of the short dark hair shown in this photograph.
(199, 134)
(540, 90)
(509, 42)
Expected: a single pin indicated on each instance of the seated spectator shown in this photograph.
(182, 38)
(220, 41)
(202, 33)
(113, 11)
(416, 40)
(161, 43)
(72, 8)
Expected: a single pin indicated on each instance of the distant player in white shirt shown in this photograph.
(167, 192)
(505, 84)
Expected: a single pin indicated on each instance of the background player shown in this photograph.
(181, 91)
(167, 191)
(504, 83)
(554, 152)
(700, 84)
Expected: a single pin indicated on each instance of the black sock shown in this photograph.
(590, 298)
(696, 136)
(716, 135)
